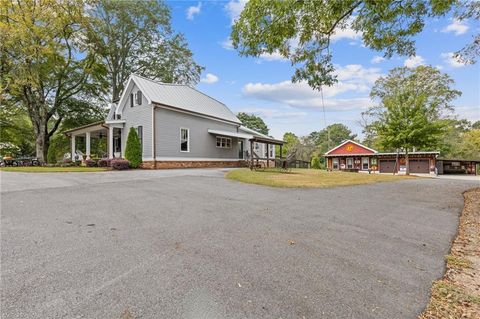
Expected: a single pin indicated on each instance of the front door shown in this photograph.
(117, 146)
(240, 149)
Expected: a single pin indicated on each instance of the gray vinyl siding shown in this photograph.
(202, 144)
(138, 115)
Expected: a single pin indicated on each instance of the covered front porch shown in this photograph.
(111, 131)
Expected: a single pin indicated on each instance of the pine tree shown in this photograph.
(133, 149)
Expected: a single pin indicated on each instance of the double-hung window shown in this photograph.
(224, 142)
(365, 163)
(335, 163)
(349, 163)
(184, 140)
(138, 97)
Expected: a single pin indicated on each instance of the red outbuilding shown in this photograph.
(353, 156)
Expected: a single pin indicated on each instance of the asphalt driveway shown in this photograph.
(191, 244)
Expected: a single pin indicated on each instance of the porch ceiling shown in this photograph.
(95, 129)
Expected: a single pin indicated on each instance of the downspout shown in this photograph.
(153, 137)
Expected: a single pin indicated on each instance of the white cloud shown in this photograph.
(234, 8)
(227, 44)
(273, 113)
(346, 33)
(275, 56)
(414, 61)
(352, 79)
(209, 78)
(377, 59)
(458, 27)
(450, 59)
(193, 10)
(471, 113)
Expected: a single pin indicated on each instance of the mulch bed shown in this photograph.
(457, 294)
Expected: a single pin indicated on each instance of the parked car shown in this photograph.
(26, 161)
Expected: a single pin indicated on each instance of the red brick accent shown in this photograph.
(192, 164)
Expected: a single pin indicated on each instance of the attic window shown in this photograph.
(131, 99)
(139, 97)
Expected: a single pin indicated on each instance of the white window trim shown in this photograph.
(368, 163)
(188, 139)
(136, 98)
(351, 160)
(335, 161)
(224, 138)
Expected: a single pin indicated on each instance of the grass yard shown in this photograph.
(41, 169)
(308, 178)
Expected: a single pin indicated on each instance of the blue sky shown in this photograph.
(262, 85)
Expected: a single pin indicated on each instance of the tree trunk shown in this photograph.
(407, 162)
(42, 143)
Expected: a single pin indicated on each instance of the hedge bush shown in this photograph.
(120, 164)
(133, 149)
(90, 163)
(316, 163)
(104, 162)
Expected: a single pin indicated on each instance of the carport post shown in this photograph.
(87, 142)
(268, 155)
(72, 144)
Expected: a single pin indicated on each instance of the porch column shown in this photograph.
(110, 142)
(87, 143)
(268, 155)
(72, 144)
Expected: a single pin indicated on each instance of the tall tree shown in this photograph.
(331, 136)
(253, 122)
(302, 31)
(290, 140)
(470, 144)
(46, 61)
(16, 132)
(137, 37)
(412, 105)
(451, 142)
(470, 53)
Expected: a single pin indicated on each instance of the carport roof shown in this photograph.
(458, 160)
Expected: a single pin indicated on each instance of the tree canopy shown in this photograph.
(302, 31)
(253, 122)
(46, 61)
(58, 60)
(331, 136)
(412, 107)
(137, 37)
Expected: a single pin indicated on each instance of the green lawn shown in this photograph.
(308, 178)
(41, 169)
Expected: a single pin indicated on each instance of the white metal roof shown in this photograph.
(183, 97)
(232, 134)
(249, 130)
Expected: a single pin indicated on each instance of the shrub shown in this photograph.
(119, 164)
(133, 149)
(315, 162)
(90, 163)
(104, 162)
